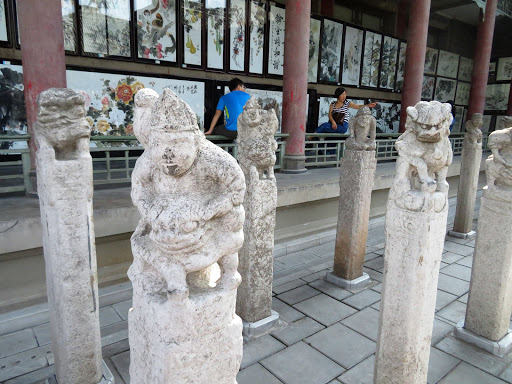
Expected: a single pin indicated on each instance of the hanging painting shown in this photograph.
(496, 97)
(314, 45)
(445, 89)
(324, 105)
(388, 62)
(487, 123)
(237, 35)
(276, 41)
(156, 29)
(401, 67)
(3, 21)
(504, 69)
(387, 116)
(459, 117)
(465, 69)
(492, 72)
(427, 89)
(462, 95)
(191, 20)
(330, 57)
(352, 56)
(371, 59)
(431, 61)
(257, 21)
(215, 14)
(68, 24)
(269, 100)
(94, 28)
(13, 119)
(448, 64)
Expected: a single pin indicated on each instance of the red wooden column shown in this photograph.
(509, 108)
(415, 56)
(42, 55)
(295, 83)
(327, 8)
(481, 59)
(401, 18)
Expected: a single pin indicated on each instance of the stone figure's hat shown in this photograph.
(252, 103)
(171, 114)
(430, 112)
(269, 122)
(364, 111)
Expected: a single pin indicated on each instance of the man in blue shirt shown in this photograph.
(232, 105)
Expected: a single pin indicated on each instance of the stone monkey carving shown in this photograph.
(473, 136)
(362, 130)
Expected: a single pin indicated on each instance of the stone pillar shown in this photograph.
(415, 56)
(257, 156)
(357, 172)
(295, 83)
(42, 55)
(416, 218)
(64, 178)
(482, 58)
(490, 293)
(189, 192)
(468, 181)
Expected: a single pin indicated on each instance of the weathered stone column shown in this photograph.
(357, 172)
(468, 180)
(416, 218)
(189, 192)
(490, 293)
(257, 156)
(64, 180)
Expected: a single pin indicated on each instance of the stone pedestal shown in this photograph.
(64, 183)
(256, 156)
(357, 171)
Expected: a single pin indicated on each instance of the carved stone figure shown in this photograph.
(64, 179)
(425, 154)
(505, 122)
(257, 156)
(362, 129)
(189, 193)
(499, 164)
(473, 135)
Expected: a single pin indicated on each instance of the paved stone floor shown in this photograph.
(327, 335)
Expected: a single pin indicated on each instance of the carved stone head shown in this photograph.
(477, 120)
(61, 117)
(144, 101)
(364, 116)
(430, 121)
(506, 122)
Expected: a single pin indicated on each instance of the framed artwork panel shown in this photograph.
(14, 117)
(352, 55)
(330, 55)
(257, 22)
(459, 119)
(371, 59)
(388, 62)
(445, 89)
(504, 71)
(465, 69)
(314, 46)
(215, 20)
(4, 35)
(431, 61)
(156, 30)
(427, 89)
(462, 94)
(401, 67)
(276, 41)
(492, 72)
(237, 20)
(192, 32)
(68, 24)
(387, 115)
(448, 64)
(487, 123)
(496, 97)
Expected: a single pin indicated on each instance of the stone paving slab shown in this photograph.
(25, 362)
(365, 322)
(330, 289)
(439, 365)
(297, 331)
(363, 299)
(325, 309)
(467, 374)
(122, 364)
(362, 373)
(17, 342)
(452, 285)
(298, 294)
(256, 374)
(288, 286)
(454, 312)
(286, 312)
(259, 349)
(458, 271)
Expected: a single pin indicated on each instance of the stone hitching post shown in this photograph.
(490, 292)
(189, 192)
(64, 184)
(357, 171)
(416, 219)
(468, 184)
(257, 156)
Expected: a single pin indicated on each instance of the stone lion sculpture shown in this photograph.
(189, 194)
(424, 156)
(257, 145)
(362, 130)
(473, 136)
(499, 164)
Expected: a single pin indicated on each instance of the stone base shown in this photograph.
(258, 328)
(360, 282)
(498, 348)
(460, 235)
(108, 377)
(294, 164)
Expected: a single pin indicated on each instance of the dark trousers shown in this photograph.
(222, 131)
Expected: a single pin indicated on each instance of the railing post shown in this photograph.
(25, 160)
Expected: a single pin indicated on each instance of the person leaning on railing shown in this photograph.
(338, 113)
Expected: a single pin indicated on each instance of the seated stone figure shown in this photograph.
(362, 130)
(499, 164)
(473, 136)
(425, 154)
(189, 193)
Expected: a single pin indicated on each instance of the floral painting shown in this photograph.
(3, 21)
(314, 45)
(324, 105)
(401, 67)
(496, 97)
(387, 116)
(459, 119)
(215, 14)
(192, 31)
(371, 59)
(462, 94)
(330, 56)
(237, 35)
(106, 27)
(431, 61)
(13, 118)
(257, 21)
(110, 98)
(504, 69)
(352, 56)
(465, 69)
(156, 29)
(388, 62)
(427, 89)
(445, 89)
(276, 40)
(68, 23)
(448, 64)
